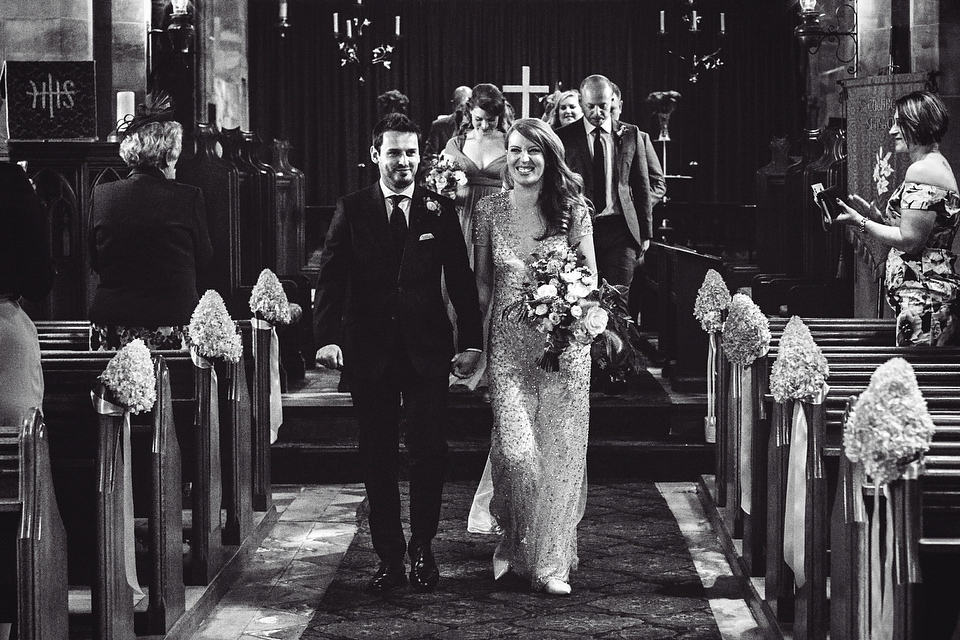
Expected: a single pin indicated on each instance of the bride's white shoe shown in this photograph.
(557, 587)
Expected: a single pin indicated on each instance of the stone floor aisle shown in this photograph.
(279, 591)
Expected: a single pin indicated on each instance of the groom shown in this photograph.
(381, 316)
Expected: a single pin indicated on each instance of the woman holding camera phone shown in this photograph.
(919, 226)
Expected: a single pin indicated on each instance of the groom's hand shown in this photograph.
(465, 363)
(330, 356)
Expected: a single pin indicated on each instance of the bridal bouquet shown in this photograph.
(800, 370)
(561, 300)
(129, 376)
(889, 426)
(445, 175)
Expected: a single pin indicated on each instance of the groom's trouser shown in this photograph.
(422, 420)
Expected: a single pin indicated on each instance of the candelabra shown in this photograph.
(351, 39)
(689, 36)
(841, 28)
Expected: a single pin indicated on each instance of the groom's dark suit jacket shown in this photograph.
(362, 292)
(638, 180)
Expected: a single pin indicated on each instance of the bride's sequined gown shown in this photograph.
(539, 442)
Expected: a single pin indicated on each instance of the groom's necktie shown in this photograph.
(599, 174)
(398, 224)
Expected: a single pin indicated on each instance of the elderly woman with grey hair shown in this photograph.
(148, 239)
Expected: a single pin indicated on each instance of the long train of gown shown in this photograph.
(539, 441)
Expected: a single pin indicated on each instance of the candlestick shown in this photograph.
(336, 24)
(663, 18)
(397, 25)
(125, 106)
(723, 24)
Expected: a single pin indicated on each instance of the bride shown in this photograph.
(539, 441)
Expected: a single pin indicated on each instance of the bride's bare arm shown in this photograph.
(588, 253)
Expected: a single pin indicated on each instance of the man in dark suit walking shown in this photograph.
(381, 316)
(622, 177)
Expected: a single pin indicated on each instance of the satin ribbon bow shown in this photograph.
(276, 402)
(106, 408)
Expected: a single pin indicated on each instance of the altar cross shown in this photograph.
(525, 89)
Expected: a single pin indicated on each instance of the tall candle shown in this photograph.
(398, 26)
(663, 18)
(723, 23)
(125, 107)
(693, 20)
(336, 24)
(349, 29)
(283, 9)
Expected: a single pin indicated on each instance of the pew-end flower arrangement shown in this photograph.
(888, 427)
(212, 333)
(130, 378)
(562, 300)
(713, 299)
(800, 370)
(746, 332)
(268, 301)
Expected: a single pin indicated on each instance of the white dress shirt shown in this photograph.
(404, 204)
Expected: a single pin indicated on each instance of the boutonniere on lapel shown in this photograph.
(621, 129)
(433, 206)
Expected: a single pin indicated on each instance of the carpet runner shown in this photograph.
(636, 580)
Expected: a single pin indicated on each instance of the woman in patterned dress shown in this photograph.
(539, 441)
(919, 226)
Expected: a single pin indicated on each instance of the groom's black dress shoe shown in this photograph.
(424, 574)
(388, 578)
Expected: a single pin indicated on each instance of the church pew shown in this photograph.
(73, 335)
(32, 536)
(827, 332)
(825, 424)
(86, 441)
(69, 376)
(931, 506)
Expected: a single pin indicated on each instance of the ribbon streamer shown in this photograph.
(794, 531)
(276, 402)
(710, 421)
(106, 408)
(746, 439)
(881, 574)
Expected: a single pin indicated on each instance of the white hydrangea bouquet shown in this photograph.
(212, 333)
(800, 370)
(445, 175)
(746, 332)
(130, 377)
(268, 301)
(888, 428)
(270, 307)
(713, 300)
